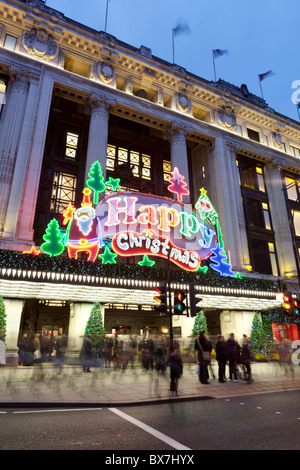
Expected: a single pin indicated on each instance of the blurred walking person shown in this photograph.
(87, 353)
(176, 369)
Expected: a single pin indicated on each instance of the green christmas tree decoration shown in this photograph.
(146, 262)
(2, 320)
(199, 324)
(95, 328)
(108, 257)
(53, 245)
(258, 336)
(96, 181)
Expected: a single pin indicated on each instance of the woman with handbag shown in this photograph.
(203, 348)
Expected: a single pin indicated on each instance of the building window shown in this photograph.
(2, 94)
(139, 163)
(292, 188)
(266, 213)
(253, 135)
(263, 256)
(63, 192)
(252, 176)
(260, 179)
(10, 42)
(295, 151)
(273, 259)
(167, 168)
(296, 221)
(71, 145)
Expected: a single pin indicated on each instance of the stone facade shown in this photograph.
(207, 125)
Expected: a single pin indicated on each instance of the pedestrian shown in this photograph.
(221, 357)
(246, 358)
(25, 352)
(108, 345)
(87, 353)
(176, 369)
(146, 347)
(37, 355)
(233, 353)
(203, 348)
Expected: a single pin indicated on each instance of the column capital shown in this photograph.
(97, 100)
(18, 74)
(233, 146)
(176, 129)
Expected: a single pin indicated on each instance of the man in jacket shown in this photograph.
(233, 351)
(221, 356)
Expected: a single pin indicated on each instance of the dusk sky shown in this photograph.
(259, 36)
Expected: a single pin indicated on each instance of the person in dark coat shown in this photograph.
(203, 348)
(176, 369)
(233, 352)
(87, 353)
(246, 358)
(26, 349)
(221, 356)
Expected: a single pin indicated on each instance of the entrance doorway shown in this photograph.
(46, 317)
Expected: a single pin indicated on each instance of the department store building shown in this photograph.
(72, 96)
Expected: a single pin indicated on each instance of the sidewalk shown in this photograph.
(48, 385)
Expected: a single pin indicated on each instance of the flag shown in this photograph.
(219, 52)
(182, 28)
(262, 76)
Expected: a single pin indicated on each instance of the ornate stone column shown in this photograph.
(176, 134)
(280, 221)
(10, 134)
(239, 243)
(226, 196)
(98, 132)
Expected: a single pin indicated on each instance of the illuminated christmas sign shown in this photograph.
(144, 225)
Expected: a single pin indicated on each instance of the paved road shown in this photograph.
(261, 421)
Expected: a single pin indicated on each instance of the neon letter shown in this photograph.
(189, 224)
(167, 218)
(149, 217)
(114, 209)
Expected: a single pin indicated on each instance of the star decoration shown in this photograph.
(68, 215)
(203, 269)
(146, 262)
(114, 183)
(203, 192)
(32, 251)
(108, 257)
(148, 233)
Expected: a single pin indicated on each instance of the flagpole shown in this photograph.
(106, 15)
(213, 55)
(259, 80)
(173, 48)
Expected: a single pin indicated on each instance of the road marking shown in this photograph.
(159, 435)
(56, 410)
